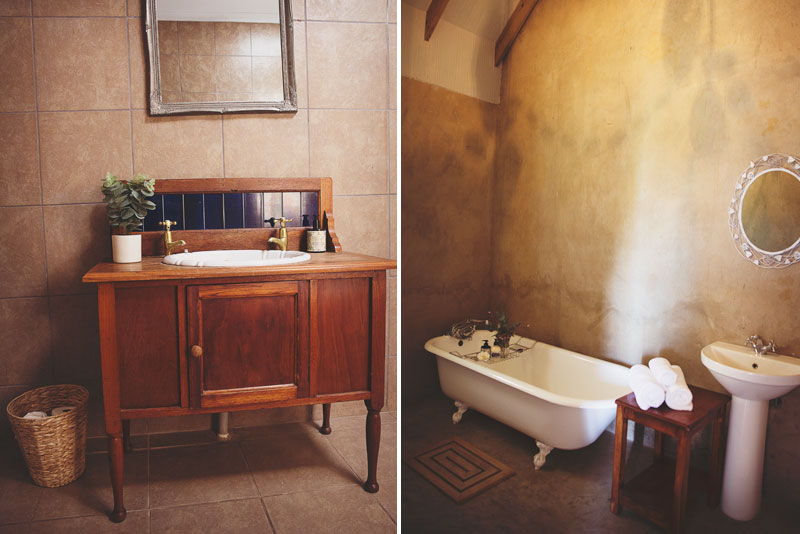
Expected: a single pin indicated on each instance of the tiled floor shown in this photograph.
(280, 478)
(570, 494)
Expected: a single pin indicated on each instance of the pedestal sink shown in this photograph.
(752, 380)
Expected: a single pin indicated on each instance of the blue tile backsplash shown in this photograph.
(198, 211)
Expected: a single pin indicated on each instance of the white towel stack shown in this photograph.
(679, 396)
(649, 393)
(659, 381)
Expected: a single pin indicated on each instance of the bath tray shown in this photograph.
(514, 350)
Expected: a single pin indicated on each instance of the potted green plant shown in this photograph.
(498, 322)
(127, 205)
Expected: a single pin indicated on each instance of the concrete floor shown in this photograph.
(280, 478)
(570, 494)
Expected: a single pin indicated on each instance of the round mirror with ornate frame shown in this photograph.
(764, 215)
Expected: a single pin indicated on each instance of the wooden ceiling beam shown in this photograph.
(434, 13)
(509, 34)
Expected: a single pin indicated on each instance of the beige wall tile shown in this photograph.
(196, 38)
(198, 74)
(19, 160)
(25, 336)
(357, 161)
(16, 55)
(22, 249)
(78, 8)
(235, 74)
(232, 39)
(361, 223)
(78, 148)
(393, 226)
(140, 98)
(268, 78)
(170, 69)
(393, 152)
(168, 38)
(391, 384)
(197, 97)
(391, 304)
(347, 10)
(135, 8)
(282, 142)
(15, 8)
(392, 10)
(81, 63)
(392, 31)
(76, 338)
(346, 65)
(78, 237)
(177, 147)
(298, 9)
(300, 64)
(266, 39)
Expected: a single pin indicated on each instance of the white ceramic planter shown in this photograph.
(127, 248)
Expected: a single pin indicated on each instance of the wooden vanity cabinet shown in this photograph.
(172, 344)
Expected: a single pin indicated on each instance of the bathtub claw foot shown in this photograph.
(541, 457)
(462, 407)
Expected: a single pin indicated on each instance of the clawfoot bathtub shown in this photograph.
(560, 398)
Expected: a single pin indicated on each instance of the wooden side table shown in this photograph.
(652, 493)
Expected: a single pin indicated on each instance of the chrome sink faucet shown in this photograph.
(283, 239)
(757, 344)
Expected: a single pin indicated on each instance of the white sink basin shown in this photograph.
(752, 380)
(236, 258)
(748, 376)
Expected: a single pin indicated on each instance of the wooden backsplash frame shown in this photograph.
(244, 238)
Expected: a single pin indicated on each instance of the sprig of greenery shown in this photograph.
(128, 201)
(498, 321)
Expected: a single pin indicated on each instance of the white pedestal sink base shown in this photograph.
(744, 458)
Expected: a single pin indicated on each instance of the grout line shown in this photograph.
(269, 519)
(308, 92)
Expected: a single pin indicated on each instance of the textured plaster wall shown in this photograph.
(448, 142)
(73, 100)
(623, 128)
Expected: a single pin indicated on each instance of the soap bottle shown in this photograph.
(316, 237)
(485, 352)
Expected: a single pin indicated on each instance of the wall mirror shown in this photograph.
(764, 216)
(219, 56)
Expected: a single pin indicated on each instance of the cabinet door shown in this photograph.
(248, 343)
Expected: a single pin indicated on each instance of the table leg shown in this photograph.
(620, 443)
(373, 443)
(715, 477)
(116, 459)
(681, 482)
(326, 419)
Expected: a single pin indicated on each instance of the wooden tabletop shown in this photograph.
(703, 400)
(151, 268)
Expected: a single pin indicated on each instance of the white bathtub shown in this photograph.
(560, 398)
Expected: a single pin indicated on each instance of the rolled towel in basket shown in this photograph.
(35, 415)
(62, 409)
(663, 371)
(679, 396)
(648, 392)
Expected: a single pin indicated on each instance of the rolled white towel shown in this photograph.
(663, 371)
(35, 415)
(679, 396)
(62, 409)
(648, 392)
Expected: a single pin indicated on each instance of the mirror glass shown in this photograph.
(771, 211)
(220, 56)
(764, 215)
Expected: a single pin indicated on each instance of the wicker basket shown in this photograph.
(55, 447)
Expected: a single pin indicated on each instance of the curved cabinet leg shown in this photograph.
(373, 443)
(541, 457)
(116, 460)
(462, 407)
(326, 419)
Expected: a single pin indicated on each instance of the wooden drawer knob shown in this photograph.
(197, 351)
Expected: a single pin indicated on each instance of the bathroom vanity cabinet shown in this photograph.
(187, 340)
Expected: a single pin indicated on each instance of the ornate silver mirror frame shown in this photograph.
(775, 259)
(159, 107)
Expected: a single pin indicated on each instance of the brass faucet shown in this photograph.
(169, 244)
(283, 240)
